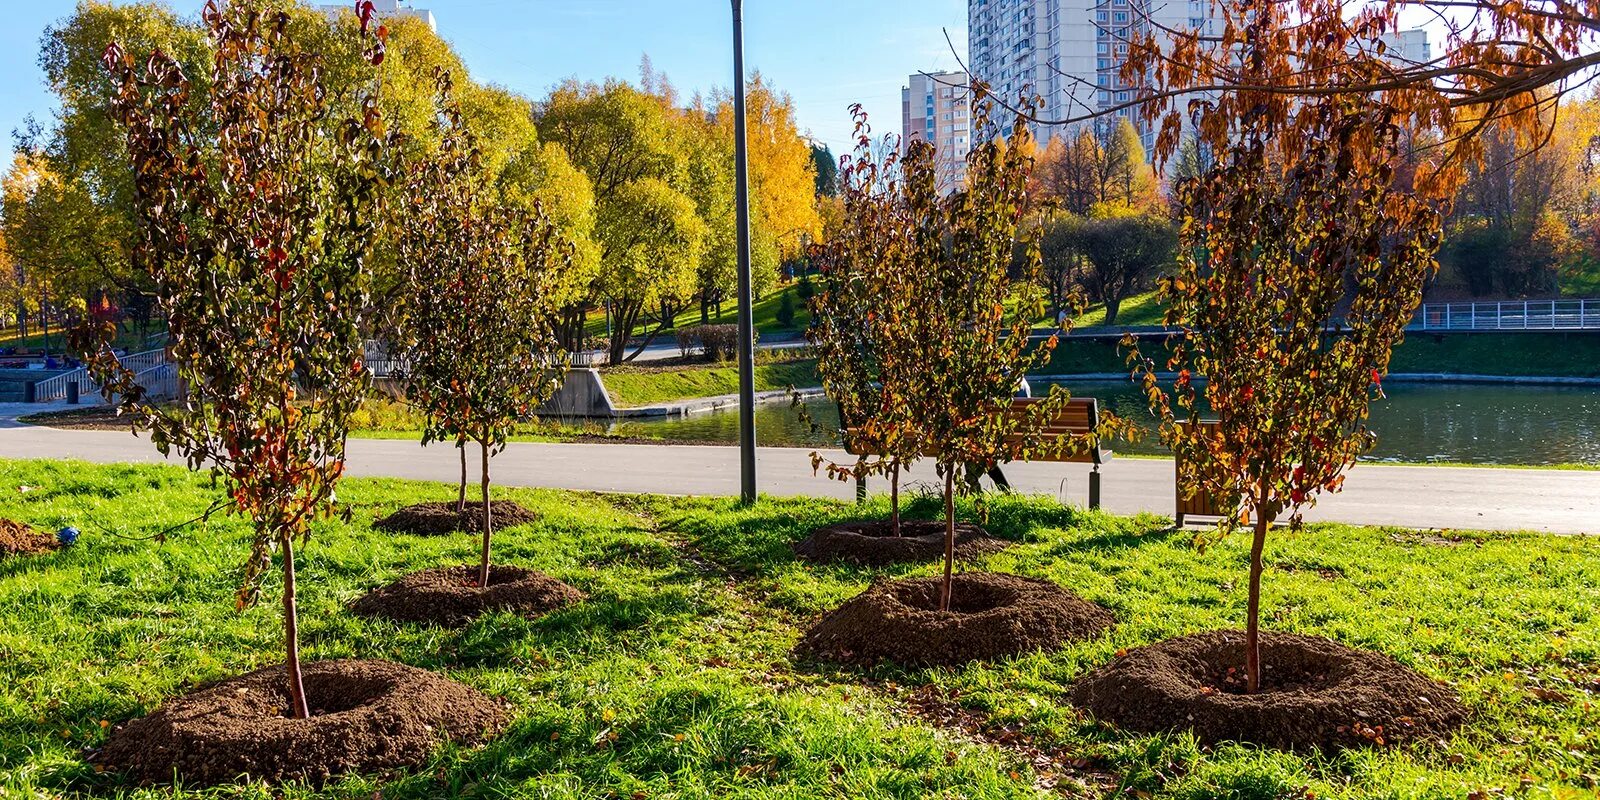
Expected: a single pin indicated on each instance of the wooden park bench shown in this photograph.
(1201, 503)
(1079, 417)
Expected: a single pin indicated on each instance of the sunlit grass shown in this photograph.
(675, 680)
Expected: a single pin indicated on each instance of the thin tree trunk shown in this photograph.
(949, 536)
(894, 497)
(298, 709)
(1252, 627)
(461, 494)
(488, 521)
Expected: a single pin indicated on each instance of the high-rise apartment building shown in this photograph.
(383, 9)
(936, 108)
(1069, 53)
(1409, 46)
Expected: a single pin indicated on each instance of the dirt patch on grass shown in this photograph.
(17, 539)
(991, 616)
(367, 717)
(874, 544)
(1315, 693)
(450, 596)
(438, 519)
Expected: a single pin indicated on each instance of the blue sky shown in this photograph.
(826, 53)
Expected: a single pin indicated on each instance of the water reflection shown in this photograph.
(1466, 423)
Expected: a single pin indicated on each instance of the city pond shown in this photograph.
(1465, 423)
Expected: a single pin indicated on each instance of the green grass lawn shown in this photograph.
(1509, 354)
(675, 680)
(35, 340)
(1140, 309)
(644, 386)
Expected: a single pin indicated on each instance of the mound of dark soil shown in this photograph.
(450, 595)
(874, 544)
(991, 616)
(1315, 693)
(17, 539)
(366, 716)
(435, 519)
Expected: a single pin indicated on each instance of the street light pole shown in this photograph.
(747, 346)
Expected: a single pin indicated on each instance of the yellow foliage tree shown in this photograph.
(783, 176)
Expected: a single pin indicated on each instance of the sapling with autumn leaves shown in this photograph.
(935, 294)
(476, 337)
(1305, 251)
(858, 324)
(256, 208)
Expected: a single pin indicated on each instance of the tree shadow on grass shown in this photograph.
(1123, 534)
(759, 540)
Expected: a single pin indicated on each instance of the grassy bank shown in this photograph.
(765, 316)
(1574, 355)
(644, 385)
(675, 680)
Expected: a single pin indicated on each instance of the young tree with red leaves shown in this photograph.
(478, 334)
(1304, 256)
(859, 328)
(255, 209)
(948, 308)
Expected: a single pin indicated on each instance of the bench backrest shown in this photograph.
(1079, 416)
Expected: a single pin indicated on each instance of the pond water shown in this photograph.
(1418, 422)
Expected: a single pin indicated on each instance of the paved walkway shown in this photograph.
(1422, 497)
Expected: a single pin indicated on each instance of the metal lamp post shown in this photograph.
(747, 347)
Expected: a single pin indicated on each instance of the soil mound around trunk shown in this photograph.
(450, 596)
(873, 544)
(17, 539)
(1315, 693)
(437, 519)
(366, 717)
(991, 616)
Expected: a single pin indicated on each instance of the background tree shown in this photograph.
(1103, 164)
(255, 215)
(783, 176)
(827, 170)
(478, 340)
(619, 137)
(651, 241)
(1112, 256)
(1302, 262)
(1516, 220)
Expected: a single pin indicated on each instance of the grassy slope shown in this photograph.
(674, 679)
(631, 386)
(765, 316)
(1140, 309)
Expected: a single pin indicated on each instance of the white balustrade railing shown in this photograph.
(160, 382)
(1510, 315)
(55, 388)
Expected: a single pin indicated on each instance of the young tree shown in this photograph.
(859, 322)
(956, 323)
(1302, 262)
(255, 213)
(477, 341)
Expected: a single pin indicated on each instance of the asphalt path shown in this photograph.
(1558, 501)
